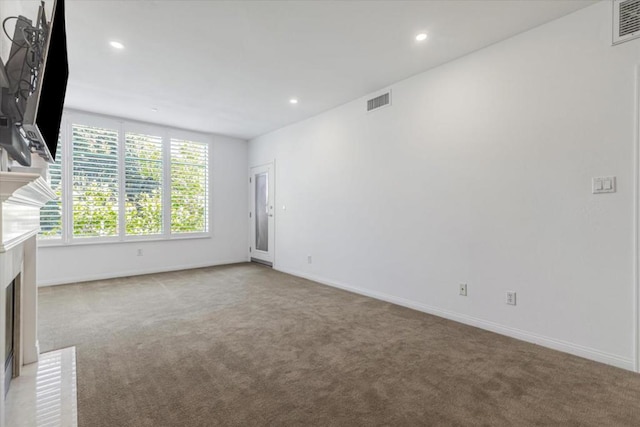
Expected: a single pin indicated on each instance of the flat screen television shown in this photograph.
(43, 113)
(37, 72)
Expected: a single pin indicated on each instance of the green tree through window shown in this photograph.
(189, 164)
(51, 213)
(130, 179)
(143, 184)
(95, 181)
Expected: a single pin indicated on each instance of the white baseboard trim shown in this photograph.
(30, 353)
(104, 276)
(556, 344)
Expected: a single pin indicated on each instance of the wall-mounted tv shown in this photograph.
(37, 71)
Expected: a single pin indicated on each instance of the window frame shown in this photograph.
(55, 237)
(144, 129)
(169, 193)
(122, 126)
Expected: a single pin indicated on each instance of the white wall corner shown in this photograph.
(636, 224)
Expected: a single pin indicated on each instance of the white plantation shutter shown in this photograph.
(125, 181)
(95, 181)
(189, 186)
(51, 213)
(143, 184)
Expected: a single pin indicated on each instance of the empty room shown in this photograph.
(326, 213)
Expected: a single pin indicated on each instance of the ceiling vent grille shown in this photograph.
(626, 20)
(380, 101)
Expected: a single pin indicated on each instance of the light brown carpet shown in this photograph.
(244, 345)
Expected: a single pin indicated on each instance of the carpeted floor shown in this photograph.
(244, 345)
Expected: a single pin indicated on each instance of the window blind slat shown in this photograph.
(98, 159)
(95, 181)
(189, 186)
(143, 183)
(51, 212)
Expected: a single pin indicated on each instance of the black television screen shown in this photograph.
(43, 113)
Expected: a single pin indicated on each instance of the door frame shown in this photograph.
(636, 214)
(250, 218)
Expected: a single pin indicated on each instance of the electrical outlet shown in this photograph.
(139, 252)
(511, 298)
(309, 259)
(463, 289)
(603, 184)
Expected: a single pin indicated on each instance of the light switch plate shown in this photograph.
(603, 184)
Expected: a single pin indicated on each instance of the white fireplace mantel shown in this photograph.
(29, 188)
(21, 197)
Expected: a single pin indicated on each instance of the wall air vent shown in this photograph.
(380, 101)
(626, 20)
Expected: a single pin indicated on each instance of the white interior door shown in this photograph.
(261, 216)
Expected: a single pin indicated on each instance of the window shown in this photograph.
(127, 182)
(143, 184)
(188, 186)
(51, 213)
(95, 181)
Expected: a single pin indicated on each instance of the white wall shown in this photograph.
(480, 173)
(65, 264)
(228, 244)
(26, 8)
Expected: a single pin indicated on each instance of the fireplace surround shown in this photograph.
(21, 196)
(9, 333)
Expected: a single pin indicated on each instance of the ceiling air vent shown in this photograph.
(626, 20)
(381, 101)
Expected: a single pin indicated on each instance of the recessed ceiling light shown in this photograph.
(421, 37)
(293, 101)
(116, 45)
(155, 110)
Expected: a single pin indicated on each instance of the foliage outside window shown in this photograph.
(143, 184)
(188, 186)
(126, 185)
(51, 213)
(95, 181)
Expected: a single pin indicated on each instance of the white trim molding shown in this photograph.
(636, 224)
(112, 275)
(25, 188)
(555, 344)
(21, 196)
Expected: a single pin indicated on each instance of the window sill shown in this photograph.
(47, 243)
